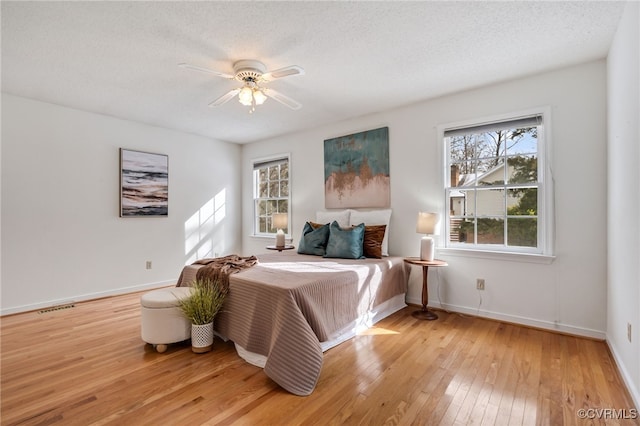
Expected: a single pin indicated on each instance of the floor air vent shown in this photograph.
(56, 308)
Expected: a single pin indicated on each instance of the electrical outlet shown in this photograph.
(480, 283)
(629, 331)
(148, 264)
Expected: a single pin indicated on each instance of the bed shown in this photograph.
(289, 308)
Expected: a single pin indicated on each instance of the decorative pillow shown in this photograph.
(345, 243)
(313, 240)
(374, 217)
(341, 216)
(372, 244)
(315, 225)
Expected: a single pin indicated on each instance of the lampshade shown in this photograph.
(245, 96)
(279, 220)
(259, 97)
(427, 223)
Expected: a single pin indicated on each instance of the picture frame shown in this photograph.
(144, 184)
(356, 170)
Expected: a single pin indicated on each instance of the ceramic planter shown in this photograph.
(201, 337)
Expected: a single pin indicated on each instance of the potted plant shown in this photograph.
(200, 308)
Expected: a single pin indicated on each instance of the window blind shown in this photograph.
(517, 123)
(269, 163)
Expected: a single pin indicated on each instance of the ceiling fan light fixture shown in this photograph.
(245, 96)
(251, 74)
(259, 97)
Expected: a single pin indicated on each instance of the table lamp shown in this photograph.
(280, 222)
(427, 224)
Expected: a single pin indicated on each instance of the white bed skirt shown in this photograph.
(361, 324)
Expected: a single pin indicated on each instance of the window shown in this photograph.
(270, 193)
(495, 188)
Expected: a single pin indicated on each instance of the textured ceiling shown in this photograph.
(120, 58)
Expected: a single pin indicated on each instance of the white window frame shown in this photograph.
(543, 253)
(256, 166)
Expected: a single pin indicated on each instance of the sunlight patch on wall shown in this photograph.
(202, 227)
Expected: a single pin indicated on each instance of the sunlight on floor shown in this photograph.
(376, 331)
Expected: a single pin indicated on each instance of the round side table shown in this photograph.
(284, 247)
(425, 313)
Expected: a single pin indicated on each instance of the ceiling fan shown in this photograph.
(253, 76)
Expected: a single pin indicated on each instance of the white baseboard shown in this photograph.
(84, 297)
(531, 322)
(626, 377)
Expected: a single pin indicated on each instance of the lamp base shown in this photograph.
(427, 248)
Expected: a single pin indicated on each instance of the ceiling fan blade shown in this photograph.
(225, 98)
(216, 73)
(283, 72)
(284, 100)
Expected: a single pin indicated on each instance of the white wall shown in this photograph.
(568, 294)
(62, 238)
(623, 297)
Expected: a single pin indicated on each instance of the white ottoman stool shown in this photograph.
(162, 321)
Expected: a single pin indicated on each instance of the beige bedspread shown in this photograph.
(283, 307)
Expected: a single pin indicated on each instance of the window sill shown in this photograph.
(287, 239)
(263, 236)
(498, 255)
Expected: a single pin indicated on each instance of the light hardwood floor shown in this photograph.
(88, 366)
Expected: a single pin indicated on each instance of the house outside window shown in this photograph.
(495, 190)
(271, 193)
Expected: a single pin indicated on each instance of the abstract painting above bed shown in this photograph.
(356, 170)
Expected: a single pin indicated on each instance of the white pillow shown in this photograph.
(373, 217)
(342, 217)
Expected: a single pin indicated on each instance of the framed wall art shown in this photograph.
(356, 170)
(144, 184)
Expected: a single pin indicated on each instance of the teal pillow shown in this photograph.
(345, 243)
(313, 240)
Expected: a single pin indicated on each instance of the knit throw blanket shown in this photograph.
(219, 269)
